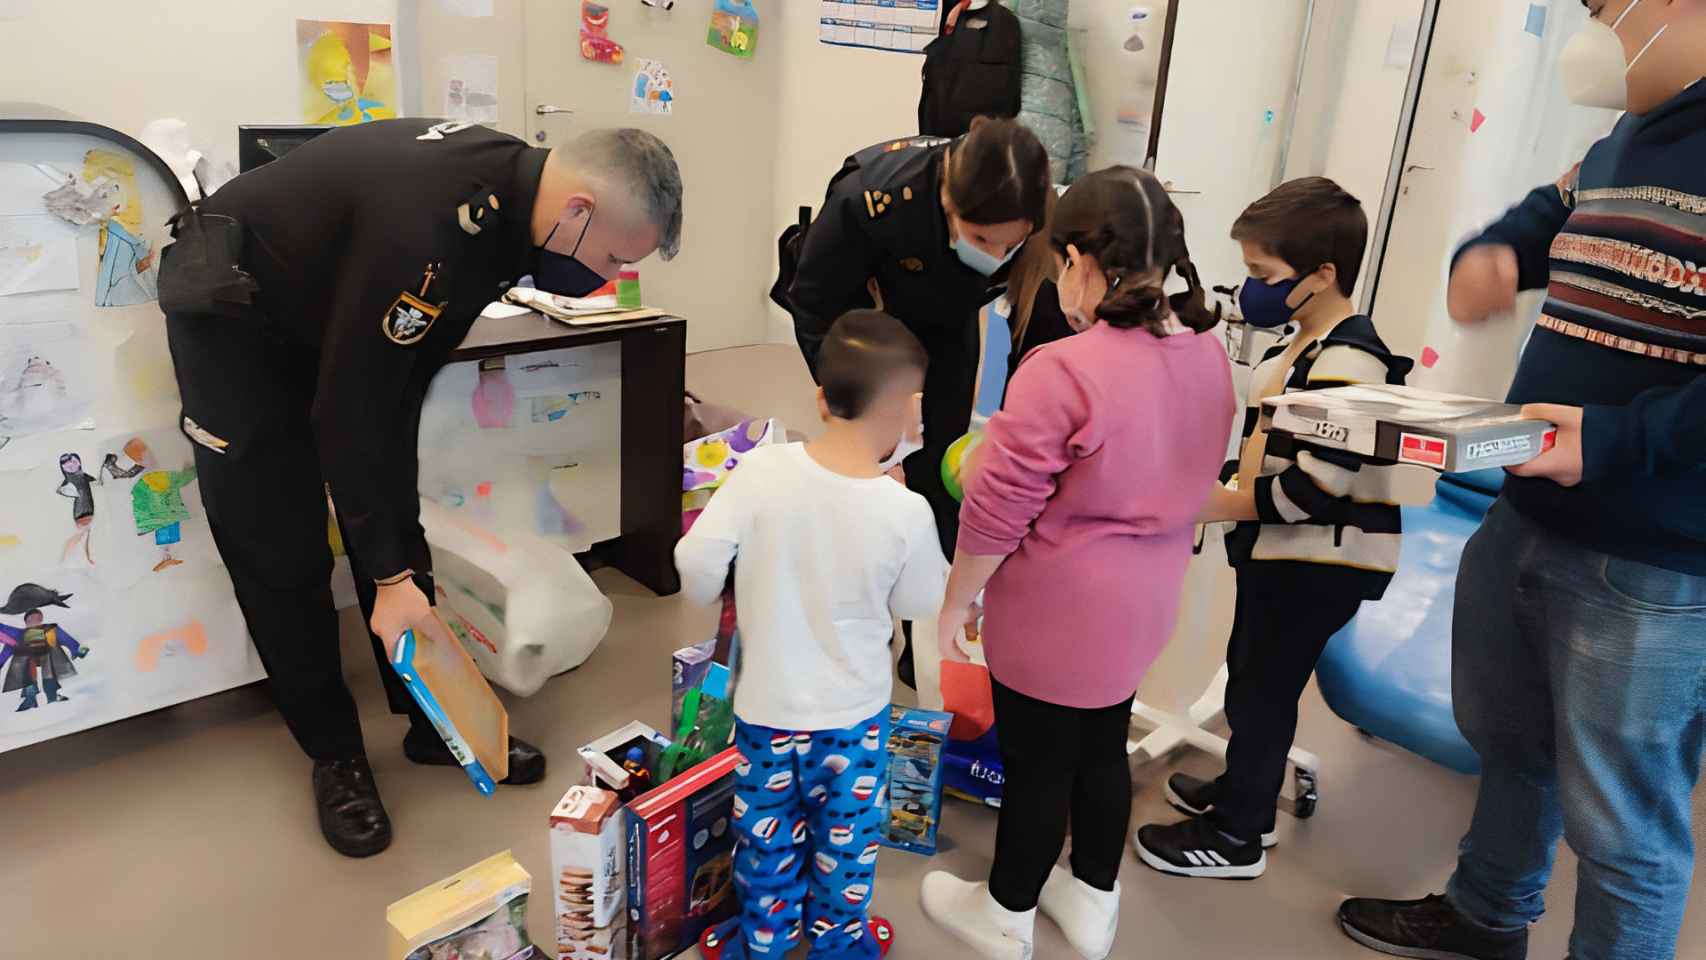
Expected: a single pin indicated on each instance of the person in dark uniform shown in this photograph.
(922, 228)
(309, 303)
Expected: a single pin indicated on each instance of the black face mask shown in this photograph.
(563, 274)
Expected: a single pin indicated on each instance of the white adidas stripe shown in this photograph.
(1195, 860)
(1218, 858)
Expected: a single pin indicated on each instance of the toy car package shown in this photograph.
(1393, 424)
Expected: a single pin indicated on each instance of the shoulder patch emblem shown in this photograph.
(408, 319)
(877, 202)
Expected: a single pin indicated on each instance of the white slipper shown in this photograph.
(967, 911)
(1089, 917)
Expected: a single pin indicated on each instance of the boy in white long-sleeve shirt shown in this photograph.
(831, 550)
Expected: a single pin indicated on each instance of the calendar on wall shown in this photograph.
(903, 26)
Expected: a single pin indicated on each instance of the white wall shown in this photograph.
(1117, 77)
(832, 101)
(212, 64)
(1233, 60)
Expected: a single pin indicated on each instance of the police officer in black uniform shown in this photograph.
(922, 228)
(309, 303)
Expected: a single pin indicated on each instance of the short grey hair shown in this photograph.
(640, 163)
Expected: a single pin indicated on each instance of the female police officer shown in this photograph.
(924, 229)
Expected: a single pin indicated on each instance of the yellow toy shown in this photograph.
(958, 464)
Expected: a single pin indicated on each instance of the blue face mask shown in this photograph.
(980, 259)
(563, 274)
(1263, 304)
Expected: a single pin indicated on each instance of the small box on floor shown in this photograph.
(625, 761)
(916, 738)
(971, 770)
(681, 845)
(587, 857)
(1394, 424)
(480, 912)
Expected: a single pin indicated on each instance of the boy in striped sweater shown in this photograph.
(1319, 530)
(1579, 632)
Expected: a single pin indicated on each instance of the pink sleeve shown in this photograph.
(1044, 427)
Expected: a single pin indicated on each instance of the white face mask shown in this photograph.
(911, 441)
(1592, 65)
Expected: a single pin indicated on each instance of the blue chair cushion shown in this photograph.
(1389, 671)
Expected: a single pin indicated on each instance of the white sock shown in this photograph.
(967, 911)
(1089, 917)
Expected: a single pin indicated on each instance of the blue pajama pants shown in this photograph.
(809, 808)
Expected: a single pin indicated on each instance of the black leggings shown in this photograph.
(1061, 764)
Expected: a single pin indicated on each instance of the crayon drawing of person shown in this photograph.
(36, 658)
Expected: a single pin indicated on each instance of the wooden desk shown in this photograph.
(654, 378)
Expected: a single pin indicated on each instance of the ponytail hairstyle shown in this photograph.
(999, 173)
(1123, 217)
(1034, 264)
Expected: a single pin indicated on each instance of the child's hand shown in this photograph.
(949, 626)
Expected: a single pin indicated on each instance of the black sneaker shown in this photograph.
(1194, 797)
(1427, 929)
(1194, 848)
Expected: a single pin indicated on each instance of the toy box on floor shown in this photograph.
(681, 842)
(625, 761)
(478, 914)
(587, 857)
(971, 770)
(916, 737)
(703, 719)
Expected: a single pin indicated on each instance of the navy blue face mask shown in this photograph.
(563, 274)
(1263, 304)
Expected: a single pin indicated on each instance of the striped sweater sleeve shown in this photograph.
(1316, 487)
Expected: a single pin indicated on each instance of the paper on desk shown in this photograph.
(499, 310)
(563, 308)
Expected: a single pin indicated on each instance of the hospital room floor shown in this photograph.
(190, 832)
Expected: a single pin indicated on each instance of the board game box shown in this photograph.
(916, 739)
(1392, 424)
(681, 845)
(587, 857)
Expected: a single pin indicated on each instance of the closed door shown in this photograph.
(720, 125)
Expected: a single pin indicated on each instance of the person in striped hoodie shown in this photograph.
(1579, 634)
(1319, 530)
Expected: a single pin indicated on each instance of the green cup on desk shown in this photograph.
(628, 289)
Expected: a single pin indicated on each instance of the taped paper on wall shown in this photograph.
(471, 88)
(654, 89)
(346, 72)
(126, 274)
(36, 254)
(43, 382)
(734, 27)
(903, 27)
(596, 44)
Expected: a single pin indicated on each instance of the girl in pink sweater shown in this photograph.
(1079, 519)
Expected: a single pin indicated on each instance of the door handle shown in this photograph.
(546, 109)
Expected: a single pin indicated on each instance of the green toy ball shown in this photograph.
(954, 460)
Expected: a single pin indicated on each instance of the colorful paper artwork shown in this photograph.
(706, 462)
(552, 409)
(36, 253)
(471, 88)
(734, 27)
(654, 89)
(347, 71)
(125, 275)
(190, 639)
(596, 44)
(38, 654)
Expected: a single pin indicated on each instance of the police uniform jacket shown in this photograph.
(376, 245)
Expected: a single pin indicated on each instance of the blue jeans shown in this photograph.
(1580, 679)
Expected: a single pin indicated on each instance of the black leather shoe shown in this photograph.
(352, 818)
(526, 763)
(1428, 929)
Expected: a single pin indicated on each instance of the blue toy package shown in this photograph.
(916, 739)
(420, 681)
(971, 770)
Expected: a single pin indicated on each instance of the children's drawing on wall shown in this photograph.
(654, 90)
(471, 87)
(734, 27)
(84, 203)
(126, 273)
(157, 500)
(347, 72)
(36, 655)
(187, 639)
(79, 488)
(36, 254)
(42, 382)
(552, 409)
(596, 44)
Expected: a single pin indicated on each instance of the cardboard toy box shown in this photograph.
(587, 857)
(916, 739)
(681, 845)
(480, 912)
(972, 770)
(608, 763)
(1392, 424)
